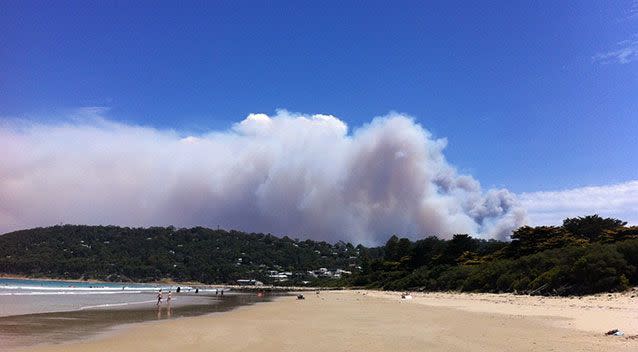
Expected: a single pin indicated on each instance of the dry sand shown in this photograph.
(381, 321)
(595, 313)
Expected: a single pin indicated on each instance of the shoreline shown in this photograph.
(72, 326)
(233, 287)
(194, 284)
(114, 331)
(375, 321)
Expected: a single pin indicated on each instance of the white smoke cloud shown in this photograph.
(300, 175)
(550, 208)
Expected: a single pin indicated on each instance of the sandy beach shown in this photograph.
(381, 321)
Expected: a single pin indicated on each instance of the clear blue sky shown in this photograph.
(531, 97)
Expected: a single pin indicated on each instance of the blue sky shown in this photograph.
(534, 96)
(513, 86)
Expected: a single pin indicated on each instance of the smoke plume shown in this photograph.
(304, 176)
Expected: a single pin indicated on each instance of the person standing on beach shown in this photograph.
(159, 297)
(168, 299)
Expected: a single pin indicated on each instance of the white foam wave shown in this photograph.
(49, 293)
(102, 288)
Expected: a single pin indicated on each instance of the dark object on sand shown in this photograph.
(196, 290)
(615, 332)
(178, 289)
(300, 297)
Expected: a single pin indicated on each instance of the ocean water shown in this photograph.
(18, 297)
(43, 311)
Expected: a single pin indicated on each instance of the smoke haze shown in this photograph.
(290, 174)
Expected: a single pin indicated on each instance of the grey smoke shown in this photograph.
(299, 175)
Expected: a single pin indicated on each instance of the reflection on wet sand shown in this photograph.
(30, 329)
(169, 311)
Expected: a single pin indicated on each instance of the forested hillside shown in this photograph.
(585, 255)
(147, 254)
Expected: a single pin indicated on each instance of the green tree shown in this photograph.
(591, 227)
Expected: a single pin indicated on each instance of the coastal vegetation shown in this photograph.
(198, 254)
(585, 255)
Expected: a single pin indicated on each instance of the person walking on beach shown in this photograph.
(159, 297)
(168, 299)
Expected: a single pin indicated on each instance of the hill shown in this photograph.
(585, 255)
(147, 254)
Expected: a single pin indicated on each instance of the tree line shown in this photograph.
(584, 255)
(198, 254)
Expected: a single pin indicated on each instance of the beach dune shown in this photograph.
(369, 321)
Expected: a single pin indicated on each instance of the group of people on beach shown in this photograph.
(169, 297)
(160, 296)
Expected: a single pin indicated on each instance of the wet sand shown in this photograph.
(379, 321)
(60, 327)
